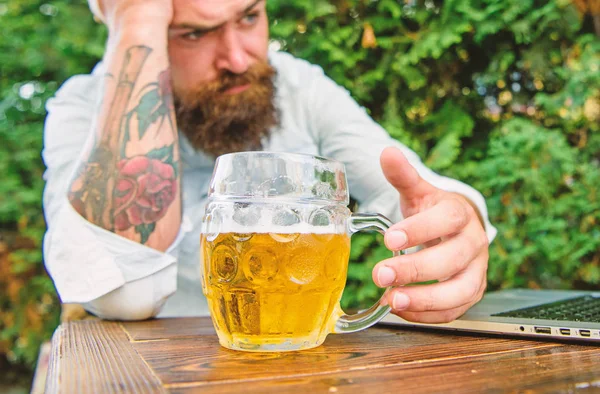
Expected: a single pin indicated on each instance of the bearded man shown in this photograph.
(131, 147)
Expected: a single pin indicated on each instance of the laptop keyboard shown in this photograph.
(581, 309)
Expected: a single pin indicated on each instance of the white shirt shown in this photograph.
(117, 278)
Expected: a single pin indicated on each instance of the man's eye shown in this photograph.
(250, 19)
(192, 36)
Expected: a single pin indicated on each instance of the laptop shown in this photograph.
(559, 314)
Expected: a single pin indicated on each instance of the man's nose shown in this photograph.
(231, 55)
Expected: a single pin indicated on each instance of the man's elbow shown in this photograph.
(133, 301)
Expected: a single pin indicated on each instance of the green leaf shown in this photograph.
(390, 6)
(451, 119)
(164, 154)
(148, 110)
(413, 77)
(322, 8)
(444, 153)
(145, 230)
(591, 274)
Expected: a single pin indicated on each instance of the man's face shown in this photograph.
(222, 81)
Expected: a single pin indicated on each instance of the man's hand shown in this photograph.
(116, 12)
(456, 254)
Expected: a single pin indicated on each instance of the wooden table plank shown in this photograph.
(183, 356)
(201, 359)
(97, 357)
(537, 370)
(169, 328)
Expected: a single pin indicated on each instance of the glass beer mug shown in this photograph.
(275, 244)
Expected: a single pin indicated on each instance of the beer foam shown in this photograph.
(281, 221)
(299, 228)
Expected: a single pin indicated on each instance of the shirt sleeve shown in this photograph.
(347, 133)
(112, 276)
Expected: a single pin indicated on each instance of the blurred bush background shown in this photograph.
(502, 94)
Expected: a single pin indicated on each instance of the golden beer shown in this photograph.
(273, 290)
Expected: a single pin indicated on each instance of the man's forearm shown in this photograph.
(130, 181)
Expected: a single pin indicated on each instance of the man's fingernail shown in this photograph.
(396, 239)
(386, 276)
(400, 301)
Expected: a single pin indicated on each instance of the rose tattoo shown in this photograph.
(145, 189)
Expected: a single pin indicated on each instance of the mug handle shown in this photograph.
(366, 318)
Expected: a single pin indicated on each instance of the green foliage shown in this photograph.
(502, 94)
(42, 44)
(366, 251)
(545, 200)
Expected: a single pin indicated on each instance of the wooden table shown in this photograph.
(183, 356)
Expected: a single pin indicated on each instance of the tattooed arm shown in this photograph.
(129, 182)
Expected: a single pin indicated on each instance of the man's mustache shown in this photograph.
(227, 80)
(230, 80)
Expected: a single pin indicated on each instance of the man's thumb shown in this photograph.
(402, 175)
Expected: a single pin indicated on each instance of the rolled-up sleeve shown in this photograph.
(113, 277)
(346, 132)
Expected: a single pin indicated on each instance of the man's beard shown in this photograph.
(217, 123)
